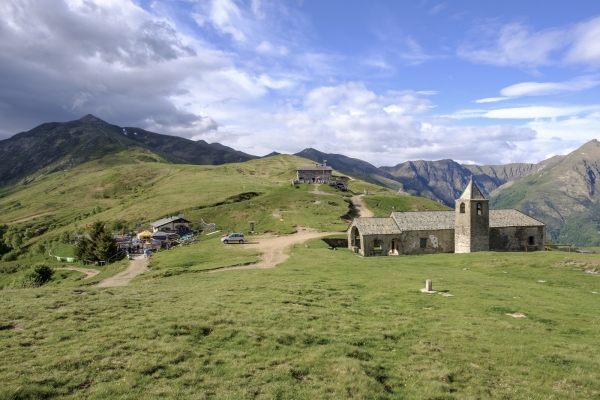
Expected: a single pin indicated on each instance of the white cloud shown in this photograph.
(547, 88)
(267, 47)
(513, 45)
(535, 112)
(427, 92)
(518, 45)
(585, 49)
(226, 17)
(436, 9)
(491, 99)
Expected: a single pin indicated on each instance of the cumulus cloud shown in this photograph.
(382, 128)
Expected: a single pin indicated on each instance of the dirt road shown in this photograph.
(273, 247)
(361, 206)
(89, 273)
(136, 266)
(317, 191)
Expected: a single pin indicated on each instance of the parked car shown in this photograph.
(233, 238)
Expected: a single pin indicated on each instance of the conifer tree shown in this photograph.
(100, 247)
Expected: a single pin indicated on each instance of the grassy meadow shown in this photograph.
(382, 204)
(324, 324)
(121, 187)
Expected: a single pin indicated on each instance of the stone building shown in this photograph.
(471, 227)
(316, 174)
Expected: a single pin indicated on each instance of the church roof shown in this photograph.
(376, 226)
(435, 220)
(472, 192)
(424, 220)
(504, 218)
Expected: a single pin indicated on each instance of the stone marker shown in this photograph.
(428, 287)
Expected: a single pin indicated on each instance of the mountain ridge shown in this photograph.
(53, 146)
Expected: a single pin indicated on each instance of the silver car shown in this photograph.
(233, 238)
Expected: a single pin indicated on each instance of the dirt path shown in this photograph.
(361, 206)
(273, 247)
(137, 266)
(89, 273)
(317, 191)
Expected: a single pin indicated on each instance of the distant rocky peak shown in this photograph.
(90, 118)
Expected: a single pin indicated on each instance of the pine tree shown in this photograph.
(99, 247)
(83, 249)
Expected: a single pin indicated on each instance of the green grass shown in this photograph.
(381, 204)
(210, 253)
(324, 324)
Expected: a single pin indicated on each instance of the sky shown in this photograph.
(484, 82)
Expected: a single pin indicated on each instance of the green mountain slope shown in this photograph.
(564, 195)
(60, 146)
(126, 186)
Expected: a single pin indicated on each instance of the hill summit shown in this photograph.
(56, 146)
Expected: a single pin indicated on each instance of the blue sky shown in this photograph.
(484, 82)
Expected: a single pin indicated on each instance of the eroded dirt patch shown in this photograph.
(273, 247)
(137, 266)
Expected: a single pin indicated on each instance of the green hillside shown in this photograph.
(138, 187)
(563, 195)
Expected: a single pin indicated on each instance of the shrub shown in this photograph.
(65, 238)
(35, 277)
(10, 256)
(43, 273)
(38, 248)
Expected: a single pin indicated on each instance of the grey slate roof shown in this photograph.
(163, 221)
(504, 218)
(375, 226)
(424, 220)
(435, 220)
(472, 192)
(314, 168)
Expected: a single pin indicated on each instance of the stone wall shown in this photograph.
(408, 243)
(472, 231)
(313, 176)
(516, 238)
(333, 242)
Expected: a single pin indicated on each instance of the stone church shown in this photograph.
(471, 227)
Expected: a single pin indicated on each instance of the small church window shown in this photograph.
(462, 208)
(423, 243)
(531, 240)
(377, 244)
(505, 238)
(479, 209)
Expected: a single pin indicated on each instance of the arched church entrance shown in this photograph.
(395, 248)
(355, 237)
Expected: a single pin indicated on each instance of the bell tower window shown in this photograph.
(479, 209)
(462, 208)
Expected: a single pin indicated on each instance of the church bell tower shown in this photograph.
(472, 221)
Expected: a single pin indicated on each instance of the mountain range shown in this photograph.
(560, 191)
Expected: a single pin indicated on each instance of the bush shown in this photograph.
(38, 248)
(35, 277)
(65, 238)
(118, 225)
(43, 273)
(10, 256)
